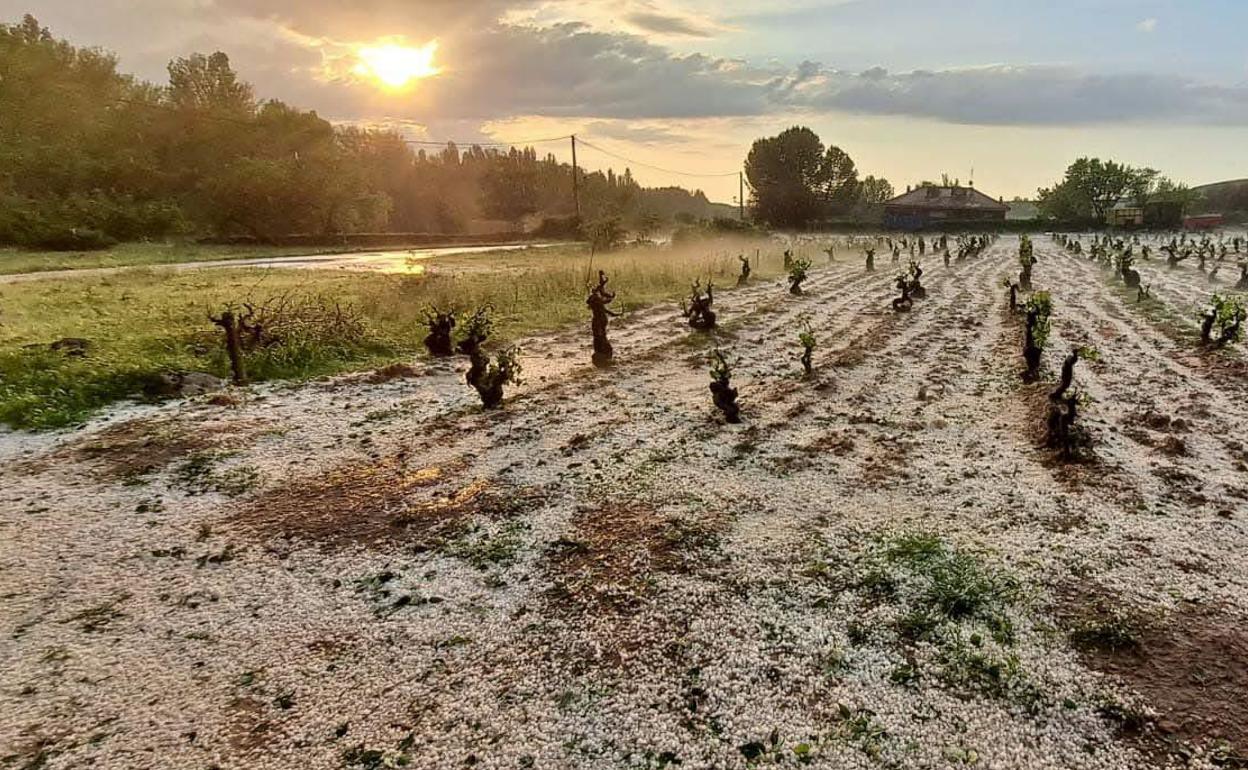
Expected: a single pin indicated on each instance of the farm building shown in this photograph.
(932, 205)
(1204, 222)
(1125, 214)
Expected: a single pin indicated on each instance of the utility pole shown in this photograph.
(741, 194)
(576, 183)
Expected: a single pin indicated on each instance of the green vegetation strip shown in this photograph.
(139, 324)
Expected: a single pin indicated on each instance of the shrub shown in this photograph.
(559, 228)
(697, 309)
(599, 300)
(723, 394)
(1228, 315)
(488, 378)
(744, 278)
(1026, 259)
(1063, 432)
(799, 270)
(74, 239)
(440, 324)
(604, 234)
(477, 330)
(1036, 334)
(807, 339)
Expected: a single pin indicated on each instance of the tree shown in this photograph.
(784, 173)
(1063, 203)
(874, 190)
(838, 183)
(794, 179)
(1166, 190)
(1103, 184)
(200, 82)
(509, 189)
(1091, 187)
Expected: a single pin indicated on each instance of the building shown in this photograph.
(935, 206)
(1125, 214)
(1204, 222)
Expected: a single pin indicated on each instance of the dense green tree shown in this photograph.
(795, 180)
(786, 177)
(873, 190)
(208, 83)
(839, 186)
(1091, 187)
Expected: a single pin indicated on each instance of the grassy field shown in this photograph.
(142, 322)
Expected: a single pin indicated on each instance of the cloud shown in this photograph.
(1147, 25)
(570, 70)
(1016, 95)
(634, 133)
(665, 24)
(368, 19)
(498, 65)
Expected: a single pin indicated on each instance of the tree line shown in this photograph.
(90, 153)
(797, 182)
(1091, 188)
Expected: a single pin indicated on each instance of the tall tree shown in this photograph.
(794, 179)
(873, 190)
(786, 176)
(839, 184)
(200, 82)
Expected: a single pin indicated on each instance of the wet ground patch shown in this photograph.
(604, 575)
(1190, 666)
(136, 448)
(388, 501)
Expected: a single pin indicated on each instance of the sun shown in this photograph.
(396, 66)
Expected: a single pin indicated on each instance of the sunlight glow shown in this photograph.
(396, 66)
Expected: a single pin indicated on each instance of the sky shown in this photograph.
(1010, 91)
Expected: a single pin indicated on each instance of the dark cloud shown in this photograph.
(367, 19)
(1010, 95)
(664, 24)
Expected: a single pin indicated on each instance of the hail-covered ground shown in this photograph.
(879, 566)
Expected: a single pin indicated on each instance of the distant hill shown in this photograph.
(1218, 187)
(670, 202)
(1229, 198)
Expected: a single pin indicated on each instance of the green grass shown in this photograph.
(142, 322)
(951, 601)
(943, 585)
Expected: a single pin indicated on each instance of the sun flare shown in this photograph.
(397, 66)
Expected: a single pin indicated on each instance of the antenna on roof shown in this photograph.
(971, 181)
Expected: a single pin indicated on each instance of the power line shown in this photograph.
(652, 167)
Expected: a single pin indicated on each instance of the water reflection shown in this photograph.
(400, 262)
